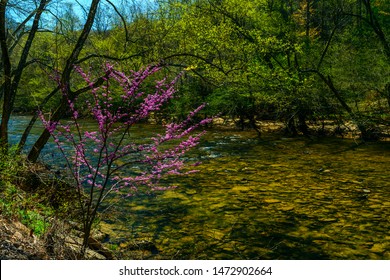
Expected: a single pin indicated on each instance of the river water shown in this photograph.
(274, 198)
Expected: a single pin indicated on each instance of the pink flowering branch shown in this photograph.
(99, 160)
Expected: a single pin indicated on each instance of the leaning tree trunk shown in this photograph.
(65, 77)
(355, 118)
(376, 26)
(27, 130)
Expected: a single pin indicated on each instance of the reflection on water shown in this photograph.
(270, 199)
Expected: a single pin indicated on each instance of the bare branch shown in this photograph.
(195, 56)
(123, 21)
(109, 57)
(326, 47)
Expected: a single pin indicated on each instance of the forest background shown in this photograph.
(298, 62)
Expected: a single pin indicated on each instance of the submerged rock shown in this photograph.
(271, 200)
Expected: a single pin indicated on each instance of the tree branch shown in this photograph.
(326, 47)
(109, 57)
(376, 27)
(123, 21)
(195, 56)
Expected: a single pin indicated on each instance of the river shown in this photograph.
(274, 198)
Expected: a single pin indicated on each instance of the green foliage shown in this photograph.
(251, 59)
(10, 164)
(35, 221)
(16, 204)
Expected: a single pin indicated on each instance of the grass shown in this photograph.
(18, 204)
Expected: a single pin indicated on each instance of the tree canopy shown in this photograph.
(299, 62)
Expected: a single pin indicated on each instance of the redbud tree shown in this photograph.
(99, 159)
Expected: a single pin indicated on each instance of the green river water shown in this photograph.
(275, 198)
(271, 199)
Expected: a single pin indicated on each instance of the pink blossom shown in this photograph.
(100, 158)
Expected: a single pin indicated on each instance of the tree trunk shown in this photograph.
(65, 82)
(26, 132)
(308, 18)
(7, 76)
(11, 86)
(290, 127)
(302, 126)
(373, 21)
(356, 119)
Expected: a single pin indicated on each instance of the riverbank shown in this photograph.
(326, 128)
(39, 218)
(18, 242)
